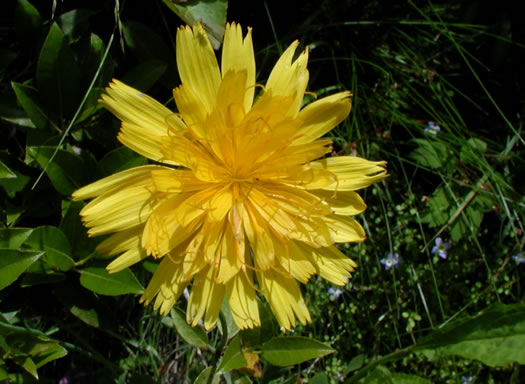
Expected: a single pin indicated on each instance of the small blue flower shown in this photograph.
(519, 258)
(335, 292)
(391, 260)
(467, 379)
(432, 129)
(441, 248)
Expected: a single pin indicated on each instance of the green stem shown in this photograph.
(374, 363)
(220, 347)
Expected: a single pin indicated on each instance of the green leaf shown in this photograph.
(472, 151)
(356, 363)
(204, 376)
(192, 335)
(496, 337)
(71, 225)
(13, 113)
(119, 160)
(27, 22)
(233, 357)
(211, 14)
(380, 375)
(58, 74)
(74, 23)
(145, 75)
(5, 172)
(12, 238)
(99, 280)
(27, 363)
(284, 351)
(55, 244)
(28, 98)
(319, 378)
(403, 378)
(429, 154)
(66, 171)
(13, 263)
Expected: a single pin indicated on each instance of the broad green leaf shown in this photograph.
(120, 159)
(27, 22)
(380, 375)
(319, 378)
(204, 376)
(71, 225)
(5, 172)
(429, 154)
(28, 99)
(74, 23)
(472, 151)
(192, 335)
(27, 363)
(55, 244)
(356, 363)
(284, 351)
(496, 337)
(211, 14)
(13, 263)
(13, 113)
(58, 74)
(12, 238)
(66, 171)
(233, 357)
(145, 75)
(99, 280)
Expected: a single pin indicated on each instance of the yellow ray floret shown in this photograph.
(245, 205)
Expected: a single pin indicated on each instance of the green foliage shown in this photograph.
(411, 66)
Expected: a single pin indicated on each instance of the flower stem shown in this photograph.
(219, 349)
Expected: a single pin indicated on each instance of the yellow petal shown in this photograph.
(289, 79)
(173, 222)
(230, 257)
(191, 108)
(345, 229)
(238, 56)
(167, 277)
(294, 262)
(127, 259)
(129, 178)
(133, 106)
(284, 297)
(205, 299)
(347, 203)
(121, 241)
(197, 64)
(136, 138)
(242, 301)
(352, 172)
(119, 211)
(331, 264)
(322, 116)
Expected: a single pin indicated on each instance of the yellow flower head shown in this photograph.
(239, 202)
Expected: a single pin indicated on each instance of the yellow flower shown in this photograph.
(238, 202)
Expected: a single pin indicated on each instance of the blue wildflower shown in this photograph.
(432, 129)
(441, 248)
(519, 258)
(391, 260)
(335, 292)
(467, 379)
